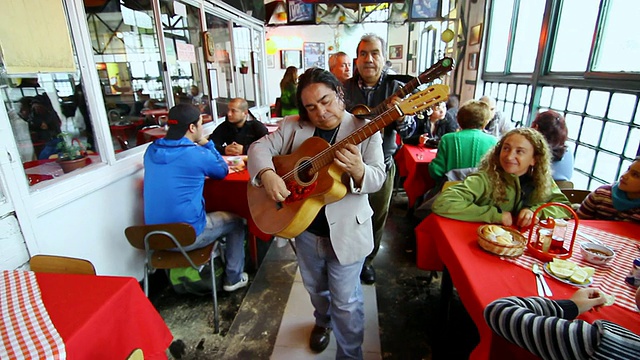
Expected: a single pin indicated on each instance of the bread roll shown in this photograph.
(505, 239)
(492, 231)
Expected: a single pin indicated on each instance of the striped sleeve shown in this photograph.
(598, 205)
(540, 326)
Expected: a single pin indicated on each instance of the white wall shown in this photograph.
(338, 37)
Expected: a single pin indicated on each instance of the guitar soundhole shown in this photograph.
(304, 175)
(304, 182)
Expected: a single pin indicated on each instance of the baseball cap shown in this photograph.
(180, 116)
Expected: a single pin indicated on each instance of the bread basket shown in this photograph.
(513, 250)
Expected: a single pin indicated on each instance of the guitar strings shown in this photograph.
(340, 144)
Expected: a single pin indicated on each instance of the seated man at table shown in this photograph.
(513, 180)
(429, 131)
(175, 170)
(238, 131)
(618, 201)
(548, 328)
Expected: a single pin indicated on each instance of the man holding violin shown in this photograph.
(371, 86)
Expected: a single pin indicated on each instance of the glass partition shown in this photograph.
(129, 66)
(219, 71)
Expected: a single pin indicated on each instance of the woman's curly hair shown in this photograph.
(540, 172)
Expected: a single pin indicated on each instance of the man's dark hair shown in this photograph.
(314, 76)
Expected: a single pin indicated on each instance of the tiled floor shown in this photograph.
(293, 337)
(273, 317)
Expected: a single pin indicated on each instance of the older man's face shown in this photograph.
(342, 68)
(370, 61)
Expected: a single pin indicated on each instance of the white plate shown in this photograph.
(566, 281)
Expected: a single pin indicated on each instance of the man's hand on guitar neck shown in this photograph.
(393, 101)
(350, 160)
(274, 185)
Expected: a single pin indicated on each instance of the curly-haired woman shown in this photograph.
(513, 180)
(554, 128)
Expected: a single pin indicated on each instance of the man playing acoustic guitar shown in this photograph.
(371, 86)
(332, 249)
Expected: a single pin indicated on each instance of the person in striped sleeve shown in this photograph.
(547, 327)
(618, 201)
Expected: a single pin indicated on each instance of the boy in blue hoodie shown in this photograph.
(175, 170)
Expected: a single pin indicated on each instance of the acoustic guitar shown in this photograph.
(435, 71)
(312, 177)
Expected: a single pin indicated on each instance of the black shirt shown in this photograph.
(226, 133)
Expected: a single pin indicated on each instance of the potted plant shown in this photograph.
(244, 69)
(72, 153)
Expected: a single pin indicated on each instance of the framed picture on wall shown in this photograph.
(473, 61)
(271, 61)
(475, 34)
(397, 67)
(301, 12)
(290, 58)
(314, 55)
(425, 9)
(395, 52)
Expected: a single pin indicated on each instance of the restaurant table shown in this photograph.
(481, 277)
(47, 169)
(150, 134)
(413, 164)
(102, 317)
(230, 194)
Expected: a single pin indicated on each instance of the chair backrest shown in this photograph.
(124, 144)
(61, 265)
(564, 184)
(575, 196)
(158, 235)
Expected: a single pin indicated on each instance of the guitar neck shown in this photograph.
(441, 67)
(326, 157)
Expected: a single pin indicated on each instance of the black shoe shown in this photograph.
(368, 274)
(319, 339)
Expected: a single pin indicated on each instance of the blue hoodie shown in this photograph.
(174, 173)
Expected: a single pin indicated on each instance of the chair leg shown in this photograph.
(146, 281)
(216, 315)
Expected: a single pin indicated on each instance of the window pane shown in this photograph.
(618, 49)
(613, 137)
(499, 35)
(573, 125)
(621, 107)
(597, 104)
(545, 96)
(577, 100)
(575, 32)
(527, 37)
(632, 145)
(559, 100)
(606, 167)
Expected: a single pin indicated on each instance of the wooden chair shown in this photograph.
(156, 240)
(564, 184)
(61, 265)
(575, 196)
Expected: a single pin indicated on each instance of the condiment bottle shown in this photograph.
(545, 233)
(634, 275)
(559, 232)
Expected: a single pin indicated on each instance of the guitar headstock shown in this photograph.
(424, 99)
(436, 70)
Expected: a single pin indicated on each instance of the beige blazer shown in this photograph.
(349, 218)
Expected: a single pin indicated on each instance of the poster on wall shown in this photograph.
(425, 9)
(301, 12)
(314, 55)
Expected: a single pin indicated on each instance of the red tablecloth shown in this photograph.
(480, 277)
(230, 194)
(413, 164)
(103, 317)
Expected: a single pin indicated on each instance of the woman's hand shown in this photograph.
(525, 218)
(507, 219)
(587, 298)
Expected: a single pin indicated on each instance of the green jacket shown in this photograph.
(459, 150)
(471, 201)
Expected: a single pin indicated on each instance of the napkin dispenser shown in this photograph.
(544, 242)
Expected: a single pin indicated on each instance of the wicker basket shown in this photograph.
(513, 250)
